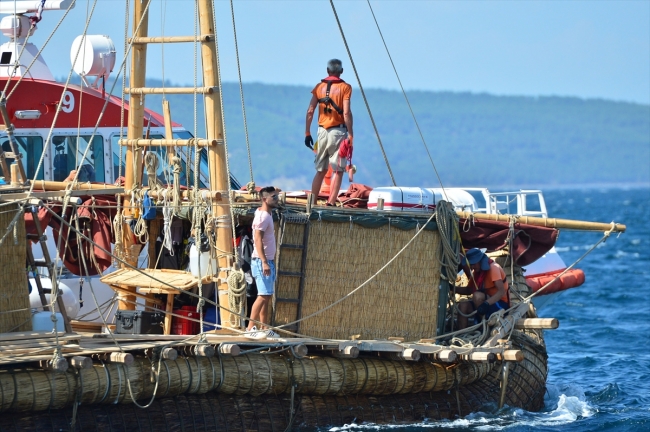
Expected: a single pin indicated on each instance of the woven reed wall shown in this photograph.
(14, 294)
(401, 301)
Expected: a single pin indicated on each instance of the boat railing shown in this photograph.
(521, 203)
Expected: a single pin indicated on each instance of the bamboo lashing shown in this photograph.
(548, 222)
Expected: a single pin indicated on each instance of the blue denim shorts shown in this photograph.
(264, 283)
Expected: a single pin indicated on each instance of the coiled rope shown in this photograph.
(236, 295)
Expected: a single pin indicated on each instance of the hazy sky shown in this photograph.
(589, 49)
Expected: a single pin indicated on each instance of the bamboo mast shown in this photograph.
(219, 180)
(135, 128)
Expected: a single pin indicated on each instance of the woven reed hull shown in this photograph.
(230, 412)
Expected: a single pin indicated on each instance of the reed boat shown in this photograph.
(364, 299)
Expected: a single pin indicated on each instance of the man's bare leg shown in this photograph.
(335, 187)
(258, 312)
(465, 308)
(264, 312)
(316, 184)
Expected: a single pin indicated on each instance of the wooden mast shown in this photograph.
(219, 180)
(132, 175)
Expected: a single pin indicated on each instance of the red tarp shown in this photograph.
(95, 222)
(529, 244)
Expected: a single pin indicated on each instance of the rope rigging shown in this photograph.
(363, 94)
(241, 92)
(417, 125)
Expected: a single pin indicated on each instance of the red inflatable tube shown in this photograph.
(571, 279)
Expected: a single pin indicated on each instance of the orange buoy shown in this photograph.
(571, 279)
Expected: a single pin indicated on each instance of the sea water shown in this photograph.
(599, 357)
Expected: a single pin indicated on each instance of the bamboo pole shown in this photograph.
(170, 90)
(170, 39)
(548, 222)
(169, 133)
(144, 142)
(133, 175)
(219, 180)
(47, 185)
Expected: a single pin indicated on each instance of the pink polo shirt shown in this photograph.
(263, 221)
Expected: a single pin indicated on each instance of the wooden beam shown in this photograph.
(548, 222)
(171, 90)
(537, 323)
(144, 142)
(170, 39)
(217, 157)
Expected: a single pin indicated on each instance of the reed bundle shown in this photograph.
(253, 374)
(401, 301)
(15, 315)
(272, 411)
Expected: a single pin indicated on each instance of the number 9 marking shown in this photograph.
(67, 104)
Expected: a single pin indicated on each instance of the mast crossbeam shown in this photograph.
(171, 39)
(171, 90)
(144, 142)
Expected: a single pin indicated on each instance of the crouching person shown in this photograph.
(487, 286)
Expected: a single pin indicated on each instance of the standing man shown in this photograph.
(332, 95)
(262, 264)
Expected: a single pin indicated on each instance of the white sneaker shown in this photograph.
(270, 334)
(261, 334)
(251, 332)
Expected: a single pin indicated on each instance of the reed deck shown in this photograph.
(17, 348)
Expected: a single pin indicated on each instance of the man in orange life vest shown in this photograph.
(487, 285)
(332, 95)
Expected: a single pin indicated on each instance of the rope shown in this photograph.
(123, 72)
(151, 164)
(603, 239)
(39, 51)
(383, 152)
(447, 220)
(236, 294)
(407, 101)
(241, 92)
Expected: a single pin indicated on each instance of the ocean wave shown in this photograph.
(561, 409)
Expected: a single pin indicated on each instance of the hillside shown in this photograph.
(474, 139)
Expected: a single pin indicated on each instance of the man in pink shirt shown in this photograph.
(262, 263)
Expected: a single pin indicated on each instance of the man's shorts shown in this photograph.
(264, 283)
(493, 308)
(329, 141)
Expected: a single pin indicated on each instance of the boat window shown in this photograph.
(30, 147)
(164, 171)
(69, 155)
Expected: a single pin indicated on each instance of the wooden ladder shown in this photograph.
(293, 274)
(45, 262)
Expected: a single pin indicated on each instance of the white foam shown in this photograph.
(565, 406)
